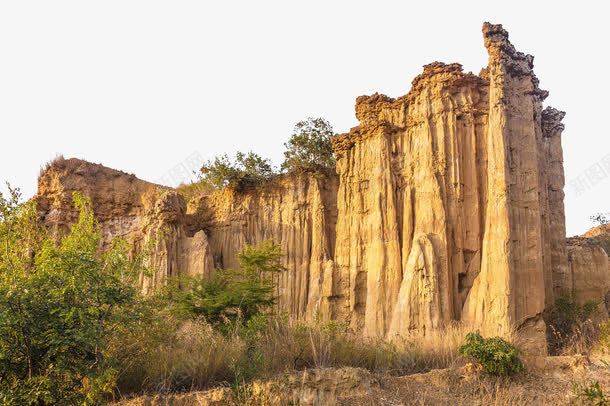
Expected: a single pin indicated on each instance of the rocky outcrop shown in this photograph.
(299, 213)
(450, 200)
(150, 217)
(119, 200)
(588, 277)
(447, 204)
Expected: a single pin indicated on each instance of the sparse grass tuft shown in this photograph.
(55, 161)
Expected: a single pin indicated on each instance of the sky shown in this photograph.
(155, 87)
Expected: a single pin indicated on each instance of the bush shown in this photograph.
(228, 295)
(495, 355)
(592, 393)
(309, 147)
(245, 171)
(570, 329)
(59, 303)
(231, 295)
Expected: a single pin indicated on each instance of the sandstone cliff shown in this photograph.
(447, 204)
(588, 274)
(451, 200)
(299, 213)
(126, 207)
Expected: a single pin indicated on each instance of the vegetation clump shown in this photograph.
(570, 329)
(309, 147)
(308, 150)
(60, 301)
(600, 219)
(591, 393)
(495, 355)
(246, 170)
(234, 295)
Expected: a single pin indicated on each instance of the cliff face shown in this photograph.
(412, 180)
(148, 216)
(447, 204)
(588, 273)
(451, 200)
(297, 212)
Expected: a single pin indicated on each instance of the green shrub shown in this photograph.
(245, 170)
(309, 147)
(495, 355)
(591, 393)
(569, 328)
(60, 300)
(230, 294)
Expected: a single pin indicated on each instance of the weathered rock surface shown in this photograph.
(299, 213)
(588, 277)
(145, 214)
(447, 204)
(451, 200)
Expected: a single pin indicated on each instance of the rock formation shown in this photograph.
(588, 274)
(447, 204)
(127, 207)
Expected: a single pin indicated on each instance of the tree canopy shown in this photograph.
(247, 169)
(58, 304)
(309, 148)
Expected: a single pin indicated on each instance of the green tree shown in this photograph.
(245, 170)
(59, 301)
(228, 294)
(309, 147)
(262, 258)
(231, 294)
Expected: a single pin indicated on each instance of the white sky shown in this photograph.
(142, 85)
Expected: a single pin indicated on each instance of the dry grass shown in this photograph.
(55, 161)
(271, 361)
(193, 190)
(160, 360)
(352, 386)
(581, 340)
(173, 357)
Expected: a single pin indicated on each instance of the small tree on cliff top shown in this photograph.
(245, 170)
(309, 147)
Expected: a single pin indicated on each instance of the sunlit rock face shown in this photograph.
(588, 275)
(446, 204)
(149, 216)
(450, 202)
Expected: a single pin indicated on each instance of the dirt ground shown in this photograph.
(548, 381)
